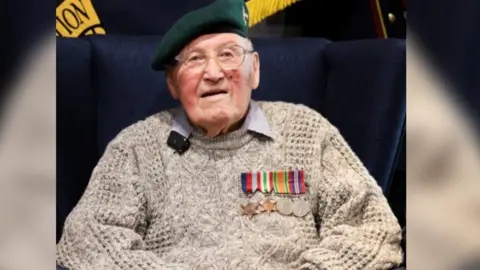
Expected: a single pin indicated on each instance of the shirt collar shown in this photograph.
(255, 121)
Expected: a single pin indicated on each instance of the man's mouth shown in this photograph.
(213, 93)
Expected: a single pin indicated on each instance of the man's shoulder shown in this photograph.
(280, 112)
(149, 130)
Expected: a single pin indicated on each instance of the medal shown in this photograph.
(269, 206)
(251, 209)
(284, 207)
(301, 208)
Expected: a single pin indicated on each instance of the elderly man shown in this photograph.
(226, 182)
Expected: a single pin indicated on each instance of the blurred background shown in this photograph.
(442, 128)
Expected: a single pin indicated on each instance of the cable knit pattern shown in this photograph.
(147, 207)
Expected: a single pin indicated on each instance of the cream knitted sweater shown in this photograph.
(147, 207)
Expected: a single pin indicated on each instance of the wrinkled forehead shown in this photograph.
(214, 41)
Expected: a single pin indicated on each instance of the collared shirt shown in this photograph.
(255, 121)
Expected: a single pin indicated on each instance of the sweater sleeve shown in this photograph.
(104, 230)
(357, 227)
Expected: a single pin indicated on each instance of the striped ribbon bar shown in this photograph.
(281, 182)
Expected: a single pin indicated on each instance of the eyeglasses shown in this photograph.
(228, 58)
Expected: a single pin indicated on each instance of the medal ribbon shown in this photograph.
(281, 182)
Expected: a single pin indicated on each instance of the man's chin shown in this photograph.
(217, 120)
(216, 112)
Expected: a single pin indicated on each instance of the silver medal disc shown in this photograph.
(301, 208)
(284, 207)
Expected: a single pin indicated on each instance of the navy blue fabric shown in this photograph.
(128, 90)
(76, 128)
(292, 70)
(366, 100)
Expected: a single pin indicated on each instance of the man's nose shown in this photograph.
(213, 72)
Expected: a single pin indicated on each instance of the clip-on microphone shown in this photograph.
(178, 142)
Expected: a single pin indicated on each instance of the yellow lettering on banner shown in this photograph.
(76, 18)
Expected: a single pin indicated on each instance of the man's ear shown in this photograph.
(171, 82)
(255, 75)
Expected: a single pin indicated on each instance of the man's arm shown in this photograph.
(357, 227)
(104, 230)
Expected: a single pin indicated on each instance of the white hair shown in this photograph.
(248, 44)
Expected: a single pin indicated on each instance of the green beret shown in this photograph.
(221, 16)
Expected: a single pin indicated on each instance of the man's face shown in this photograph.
(212, 90)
